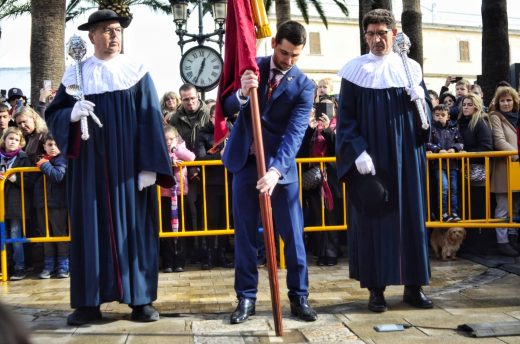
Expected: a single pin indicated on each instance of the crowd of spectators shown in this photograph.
(460, 122)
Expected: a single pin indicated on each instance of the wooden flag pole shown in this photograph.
(266, 214)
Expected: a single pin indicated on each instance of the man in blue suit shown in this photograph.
(286, 96)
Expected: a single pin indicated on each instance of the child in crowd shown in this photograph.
(325, 88)
(461, 90)
(445, 138)
(53, 166)
(172, 249)
(4, 118)
(12, 156)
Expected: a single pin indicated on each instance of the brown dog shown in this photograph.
(446, 242)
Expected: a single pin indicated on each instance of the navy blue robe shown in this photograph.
(391, 249)
(114, 227)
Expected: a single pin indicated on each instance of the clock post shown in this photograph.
(200, 65)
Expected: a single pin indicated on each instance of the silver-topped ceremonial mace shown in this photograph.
(402, 46)
(77, 48)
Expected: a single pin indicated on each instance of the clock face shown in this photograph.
(202, 67)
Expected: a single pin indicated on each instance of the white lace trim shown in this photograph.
(379, 72)
(100, 76)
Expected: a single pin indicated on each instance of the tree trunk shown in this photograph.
(411, 22)
(47, 44)
(283, 11)
(495, 46)
(364, 7)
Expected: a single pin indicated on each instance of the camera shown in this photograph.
(456, 79)
(323, 108)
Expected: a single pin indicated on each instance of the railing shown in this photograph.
(465, 158)
(513, 181)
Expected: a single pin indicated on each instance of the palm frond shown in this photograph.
(304, 9)
(319, 9)
(13, 9)
(343, 7)
(267, 4)
(154, 5)
(76, 12)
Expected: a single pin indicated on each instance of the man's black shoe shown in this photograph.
(83, 315)
(507, 250)
(300, 308)
(376, 301)
(414, 296)
(245, 308)
(144, 313)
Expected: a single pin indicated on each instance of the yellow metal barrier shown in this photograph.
(24, 239)
(467, 222)
(465, 159)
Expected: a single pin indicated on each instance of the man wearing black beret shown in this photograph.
(111, 176)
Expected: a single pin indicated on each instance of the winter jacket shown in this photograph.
(12, 192)
(477, 140)
(205, 141)
(504, 139)
(54, 171)
(180, 153)
(188, 125)
(445, 138)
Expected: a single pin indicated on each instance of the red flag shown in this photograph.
(239, 55)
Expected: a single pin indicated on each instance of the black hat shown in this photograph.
(104, 15)
(369, 194)
(15, 93)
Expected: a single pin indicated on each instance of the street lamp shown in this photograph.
(181, 13)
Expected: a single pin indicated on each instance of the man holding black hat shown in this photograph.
(381, 155)
(112, 206)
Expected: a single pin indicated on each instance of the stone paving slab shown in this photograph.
(195, 307)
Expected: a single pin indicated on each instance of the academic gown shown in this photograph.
(114, 227)
(377, 115)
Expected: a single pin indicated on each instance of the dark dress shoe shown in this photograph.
(376, 301)
(414, 296)
(83, 315)
(245, 308)
(301, 309)
(507, 250)
(331, 261)
(144, 313)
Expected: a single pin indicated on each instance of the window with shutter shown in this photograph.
(464, 51)
(314, 43)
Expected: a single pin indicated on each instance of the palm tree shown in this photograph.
(495, 46)
(283, 9)
(47, 57)
(411, 22)
(364, 7)
(48, 30)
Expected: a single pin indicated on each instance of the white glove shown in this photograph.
(145, 179)
(80, 109)
(268, 181)
(364, 164)
(415, 92)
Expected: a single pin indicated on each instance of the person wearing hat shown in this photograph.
(14, 94)
(380, 151)
(113, 208)
(16, 99)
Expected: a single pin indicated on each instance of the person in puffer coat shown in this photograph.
(446, 138)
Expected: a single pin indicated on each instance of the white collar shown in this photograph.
(379, 72)
(273, 66)
(100, 76)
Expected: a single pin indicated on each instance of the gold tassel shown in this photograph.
(260, 18)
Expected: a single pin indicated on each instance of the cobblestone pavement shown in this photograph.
(195, 307)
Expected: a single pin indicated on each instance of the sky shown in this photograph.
(151, 37)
